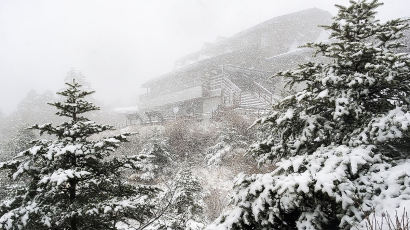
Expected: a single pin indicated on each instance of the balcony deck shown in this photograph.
(148, 101)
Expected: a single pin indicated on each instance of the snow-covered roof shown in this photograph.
(243, 52)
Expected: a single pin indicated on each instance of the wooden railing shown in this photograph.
(263, 93)
(230, 92)
(259, 90)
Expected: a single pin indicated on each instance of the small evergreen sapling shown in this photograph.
(74, 182)
(341, 144)
(156, 158)
(186, 209)
(229, 139)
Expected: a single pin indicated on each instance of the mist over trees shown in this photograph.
(274, 139)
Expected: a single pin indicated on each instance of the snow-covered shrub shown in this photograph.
(341, 144)
(17, 143)
(188, 139)
(232, 118)
(331, 188)
(233, 138)
(74, 182)
(186, 206)
(156, 158)
(228, 141)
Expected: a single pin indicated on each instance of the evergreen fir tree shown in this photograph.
(156, 158)
(186, 208)
(228, 140)
(21, 141)
(341, 144)
(74, 182)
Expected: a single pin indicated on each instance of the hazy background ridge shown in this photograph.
(118, 45)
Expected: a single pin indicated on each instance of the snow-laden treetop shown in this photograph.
(347, 100)
(341, 145)
(73, 182)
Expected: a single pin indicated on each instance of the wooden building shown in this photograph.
(233, 73)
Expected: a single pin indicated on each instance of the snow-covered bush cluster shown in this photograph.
(188, 139)
(157, 158)
(186, 205)
(228, 140)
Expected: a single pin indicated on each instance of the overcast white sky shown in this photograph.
(119, 44)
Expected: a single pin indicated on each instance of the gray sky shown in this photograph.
(119, 44)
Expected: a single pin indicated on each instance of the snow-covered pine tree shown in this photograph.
(228, 140)
(156, 158)
(19, 142)
(73, 182)
(186, 209)
(341, 144)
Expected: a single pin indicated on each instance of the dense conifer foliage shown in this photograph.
(228, 140)
(341, 144)
(186, 205)
(156, 159)
(73, 181)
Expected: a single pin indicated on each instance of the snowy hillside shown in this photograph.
(252, 132)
